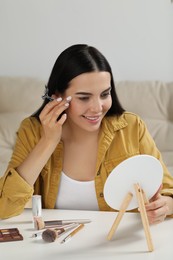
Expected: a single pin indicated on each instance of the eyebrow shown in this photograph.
(89, 94)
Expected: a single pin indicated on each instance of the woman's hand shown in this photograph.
(51, 135)
(159, 207)
(52, 128)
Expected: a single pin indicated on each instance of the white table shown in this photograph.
(90, 243)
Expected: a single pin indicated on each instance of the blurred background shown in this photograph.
(136, 36)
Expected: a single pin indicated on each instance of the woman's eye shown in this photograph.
(83, 98)
(105, 95)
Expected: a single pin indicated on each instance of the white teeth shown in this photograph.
(91, 118)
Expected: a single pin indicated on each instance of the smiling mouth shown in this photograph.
(92, 118)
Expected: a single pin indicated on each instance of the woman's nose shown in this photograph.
(96, 106)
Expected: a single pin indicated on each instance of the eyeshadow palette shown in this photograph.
(10, 234)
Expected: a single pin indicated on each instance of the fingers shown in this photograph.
(157, 210)
(62, 119)
(52, 118)
(156, 195)
(159, 203)
(53, 110)
(156, 216)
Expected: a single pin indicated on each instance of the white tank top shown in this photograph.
(77, 195)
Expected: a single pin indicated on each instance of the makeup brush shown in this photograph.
(50, 235)
(40, 224)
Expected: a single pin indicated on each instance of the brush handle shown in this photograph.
(64, 222)
(77, 229)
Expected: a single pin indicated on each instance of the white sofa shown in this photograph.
(153, 101)
(19, 97)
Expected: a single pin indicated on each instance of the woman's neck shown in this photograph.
(76, 134)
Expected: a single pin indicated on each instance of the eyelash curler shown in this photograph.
(46, 96)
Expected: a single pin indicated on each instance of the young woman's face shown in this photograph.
(91, 99)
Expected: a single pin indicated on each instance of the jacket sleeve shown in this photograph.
(15, 192)
(148, 146)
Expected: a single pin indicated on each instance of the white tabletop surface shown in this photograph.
(91, 242)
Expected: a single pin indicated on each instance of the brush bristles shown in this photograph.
(49, 235)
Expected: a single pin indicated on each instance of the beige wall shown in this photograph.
(135, 35)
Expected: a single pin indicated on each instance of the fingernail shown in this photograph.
(66, 104)
(59, 99)
(69, 98)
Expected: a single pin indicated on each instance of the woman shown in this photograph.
(66, 150)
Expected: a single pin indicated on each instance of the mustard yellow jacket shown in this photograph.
(120, 139)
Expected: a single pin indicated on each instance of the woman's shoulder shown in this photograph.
(30, 124)
(130, 116)
(32, 121)
(124, 121)
(28, 134)
(125, 118)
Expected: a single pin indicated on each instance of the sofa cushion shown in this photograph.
(153, 101)
(20, 94)
(9, 123)
(19, 98)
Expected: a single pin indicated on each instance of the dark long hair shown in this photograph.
(73, 61)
